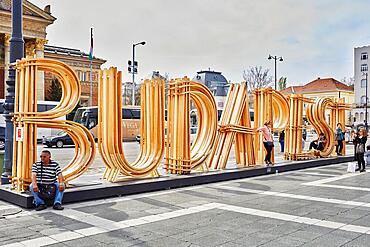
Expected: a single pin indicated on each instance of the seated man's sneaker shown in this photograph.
(57, 206)
(41, 207)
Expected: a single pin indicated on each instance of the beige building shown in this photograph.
(325, 87)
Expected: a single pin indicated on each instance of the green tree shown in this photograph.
(282, 83)
(54, 93)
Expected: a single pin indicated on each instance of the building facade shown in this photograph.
(216, 82)
(328, 88)
(361, 69)
(35, 22)
(80, 63)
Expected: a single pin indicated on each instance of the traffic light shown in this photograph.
(132, 67)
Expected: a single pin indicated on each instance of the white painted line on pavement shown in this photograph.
(69, 235)
(300, 197)
(341, 187)
(316, 174)
(100, 226)
(323, 182)
(329, 180)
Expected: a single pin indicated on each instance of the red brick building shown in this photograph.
(80, 63)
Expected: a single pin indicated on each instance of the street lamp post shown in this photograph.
(16, 52)
(275, 58)
(133, 69)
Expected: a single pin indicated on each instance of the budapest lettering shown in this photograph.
(168, 139)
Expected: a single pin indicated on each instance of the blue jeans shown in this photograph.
(37, 200)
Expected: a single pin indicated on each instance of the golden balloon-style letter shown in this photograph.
(27, 120)
(235, 126)
(110, 127)
(181, 156)
(316, 115)
(270, 106)
(294, 129)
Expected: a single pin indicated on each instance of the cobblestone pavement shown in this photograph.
(314, 207)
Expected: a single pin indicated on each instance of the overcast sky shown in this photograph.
(315, 38)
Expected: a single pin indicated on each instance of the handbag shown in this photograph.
(270, 144)
(360, 148)
(47, 191)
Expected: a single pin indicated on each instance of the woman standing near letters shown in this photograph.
(268, 142)
(339, 138)
(361, 139)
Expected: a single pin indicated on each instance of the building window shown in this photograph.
(363, 67)
(363, 100)
(82, 76)
(357, 117)
(363, 83)
(362, 117)
(364, 56)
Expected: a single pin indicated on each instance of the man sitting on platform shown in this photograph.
(44, 186)
(319, 143)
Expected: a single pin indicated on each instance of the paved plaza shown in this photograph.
(322, 206)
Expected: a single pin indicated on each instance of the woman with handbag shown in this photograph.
(268, 142)
(360, 149)
(354, 142)
(339, 138)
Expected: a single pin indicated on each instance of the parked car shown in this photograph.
(59, 140)
(2, 138)
(193, 134)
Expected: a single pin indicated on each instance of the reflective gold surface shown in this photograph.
(110, 127)
(211, 147)
(294, 129)
(181, 156)
(234, 127)
(27, 117)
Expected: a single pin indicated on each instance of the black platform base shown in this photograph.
(100, 190)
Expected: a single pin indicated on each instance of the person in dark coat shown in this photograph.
(281, 140)
(360, 149)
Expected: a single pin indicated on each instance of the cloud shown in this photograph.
(316, 38)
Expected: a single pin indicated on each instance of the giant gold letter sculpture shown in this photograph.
(338, 115)
(27, 117)
(316, 115)
(294, 129)
(110, 127)
(235, 126)
(270, 105)
(181, 156)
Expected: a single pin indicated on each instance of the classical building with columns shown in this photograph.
(35, 22)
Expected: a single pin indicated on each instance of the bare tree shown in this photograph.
(256, 77)
(348, 81)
